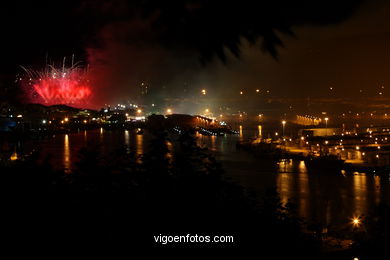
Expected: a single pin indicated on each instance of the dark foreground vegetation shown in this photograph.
(176, 188)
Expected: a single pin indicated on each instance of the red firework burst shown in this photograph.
(68, 86)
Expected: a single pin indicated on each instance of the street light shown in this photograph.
(326, 125)
(283, 123)
(356, 221)
(169, 111)
(260, 117)
(203, 92)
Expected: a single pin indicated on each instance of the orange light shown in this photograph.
(356, 221)
(14, 156)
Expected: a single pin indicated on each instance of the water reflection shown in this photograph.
(303, 201)
(327, 198)
(360, 191)
(259, 127)
(377, 183)
(169, 155)
(101, 135)
(283, 184)
(67, 165)
(213, 143)
(127, 138)
(302, 167)
(292, 183)
(139, 147)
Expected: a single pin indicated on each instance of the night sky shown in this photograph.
(190, 45)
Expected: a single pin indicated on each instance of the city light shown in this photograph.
(356, 221)
(14, 156)
(283, 123)
(135, 119)
(326, 125)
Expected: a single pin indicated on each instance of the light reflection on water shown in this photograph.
(291, 179)
(259, 127)
(213, 146)
(326, 198)
(67, 165)
(139, 147)
(127, 138)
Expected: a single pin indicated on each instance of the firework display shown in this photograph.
(50, 86)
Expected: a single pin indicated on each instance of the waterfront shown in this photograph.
(352, 194)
